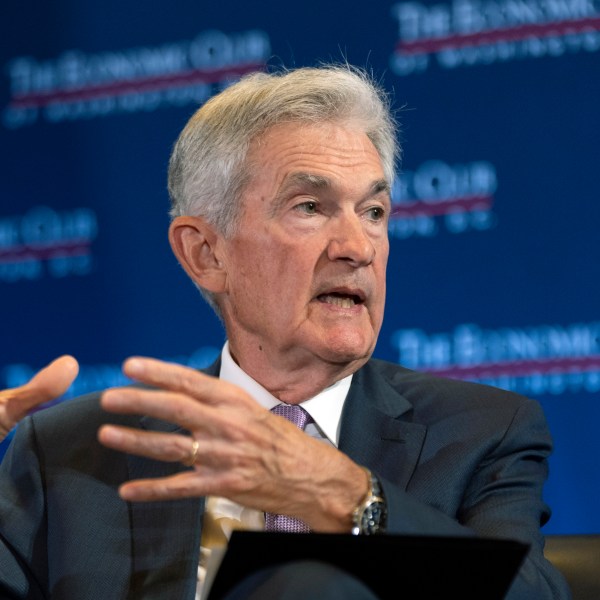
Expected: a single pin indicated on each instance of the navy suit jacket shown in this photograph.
(455, 458)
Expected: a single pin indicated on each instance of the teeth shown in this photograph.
(342, 301)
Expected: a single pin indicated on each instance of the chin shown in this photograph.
(347, 349)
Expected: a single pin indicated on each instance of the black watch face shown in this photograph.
(373, 518)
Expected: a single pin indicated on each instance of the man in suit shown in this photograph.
(280, 190)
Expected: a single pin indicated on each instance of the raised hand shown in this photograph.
(240, 450)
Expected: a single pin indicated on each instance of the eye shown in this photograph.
(375, 213)
(309, 207)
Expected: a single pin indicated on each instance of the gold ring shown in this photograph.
(191, 460)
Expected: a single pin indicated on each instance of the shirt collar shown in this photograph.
(325, 408)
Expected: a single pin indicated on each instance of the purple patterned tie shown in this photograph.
(273, 522)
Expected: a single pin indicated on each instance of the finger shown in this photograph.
(167, 447)
(181, 485)
(168, 406)
(177, 378)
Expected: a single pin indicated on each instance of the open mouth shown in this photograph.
(341, 299)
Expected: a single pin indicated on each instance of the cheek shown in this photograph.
(381, 288)
(267, 271)
(382, 265)
(285, 260)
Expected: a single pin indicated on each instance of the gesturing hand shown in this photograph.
(243, 452)
(48, 384)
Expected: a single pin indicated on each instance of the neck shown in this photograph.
(290, 378)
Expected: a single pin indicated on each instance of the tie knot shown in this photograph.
(293, 413)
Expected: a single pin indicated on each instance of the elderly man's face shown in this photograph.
(306, 270)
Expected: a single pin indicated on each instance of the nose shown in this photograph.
(350, 242)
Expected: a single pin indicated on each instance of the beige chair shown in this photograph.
(578, 558)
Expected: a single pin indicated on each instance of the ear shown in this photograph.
(196, 245)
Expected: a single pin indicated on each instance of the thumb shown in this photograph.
(52, 381)
(47, 384)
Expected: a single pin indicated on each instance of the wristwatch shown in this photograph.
(370, 516)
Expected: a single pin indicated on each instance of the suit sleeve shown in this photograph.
(23, 557)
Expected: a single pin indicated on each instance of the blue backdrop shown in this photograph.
(494, 268)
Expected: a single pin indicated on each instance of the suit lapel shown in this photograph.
(376, 431)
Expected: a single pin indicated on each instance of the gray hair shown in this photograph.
(208, 168)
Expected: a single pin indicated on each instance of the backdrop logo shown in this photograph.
(437, 196)
(545, 359)
(471, 32)
(76, 85)
(46, 241)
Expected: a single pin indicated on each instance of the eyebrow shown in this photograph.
(318, 182)
(381, 186)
